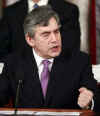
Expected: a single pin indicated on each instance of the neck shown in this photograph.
(36, 1)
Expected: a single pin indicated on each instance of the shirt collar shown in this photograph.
(40, 3)
(40, 59)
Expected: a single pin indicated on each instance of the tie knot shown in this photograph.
(46, 62)
(35, 6)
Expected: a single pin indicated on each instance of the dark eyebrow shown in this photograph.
(46, 32)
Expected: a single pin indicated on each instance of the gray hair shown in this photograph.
(39, 17)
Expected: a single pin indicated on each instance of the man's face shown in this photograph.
(47, 40)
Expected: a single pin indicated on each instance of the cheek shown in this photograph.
(59, 36)
(43, 45)
(60, 40)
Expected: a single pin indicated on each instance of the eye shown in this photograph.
(57, 31)
(45, 35)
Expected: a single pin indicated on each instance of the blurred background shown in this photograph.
(89, 22)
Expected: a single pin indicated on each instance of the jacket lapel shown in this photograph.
(31, 72)
(55, 75)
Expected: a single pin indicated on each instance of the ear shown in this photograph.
(29, 40)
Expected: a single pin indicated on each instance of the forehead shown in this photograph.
(53, 25)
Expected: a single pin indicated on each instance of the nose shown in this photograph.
(54, 38)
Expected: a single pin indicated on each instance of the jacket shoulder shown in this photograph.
(13, 9)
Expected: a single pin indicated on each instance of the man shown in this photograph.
(11, 29)
(66, 86)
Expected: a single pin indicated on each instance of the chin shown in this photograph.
(55, 54)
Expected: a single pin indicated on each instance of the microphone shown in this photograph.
(19, 76)
(17, 96)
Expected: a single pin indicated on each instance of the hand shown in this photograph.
(85, 97)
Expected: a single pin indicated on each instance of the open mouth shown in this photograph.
(55, 48)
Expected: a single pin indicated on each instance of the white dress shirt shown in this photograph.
(40, 3)
(39, 63)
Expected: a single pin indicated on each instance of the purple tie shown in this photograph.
(45, 76)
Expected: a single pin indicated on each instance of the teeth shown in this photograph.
(55, 47)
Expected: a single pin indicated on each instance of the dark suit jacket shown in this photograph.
(11, 26)
(66, 77)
